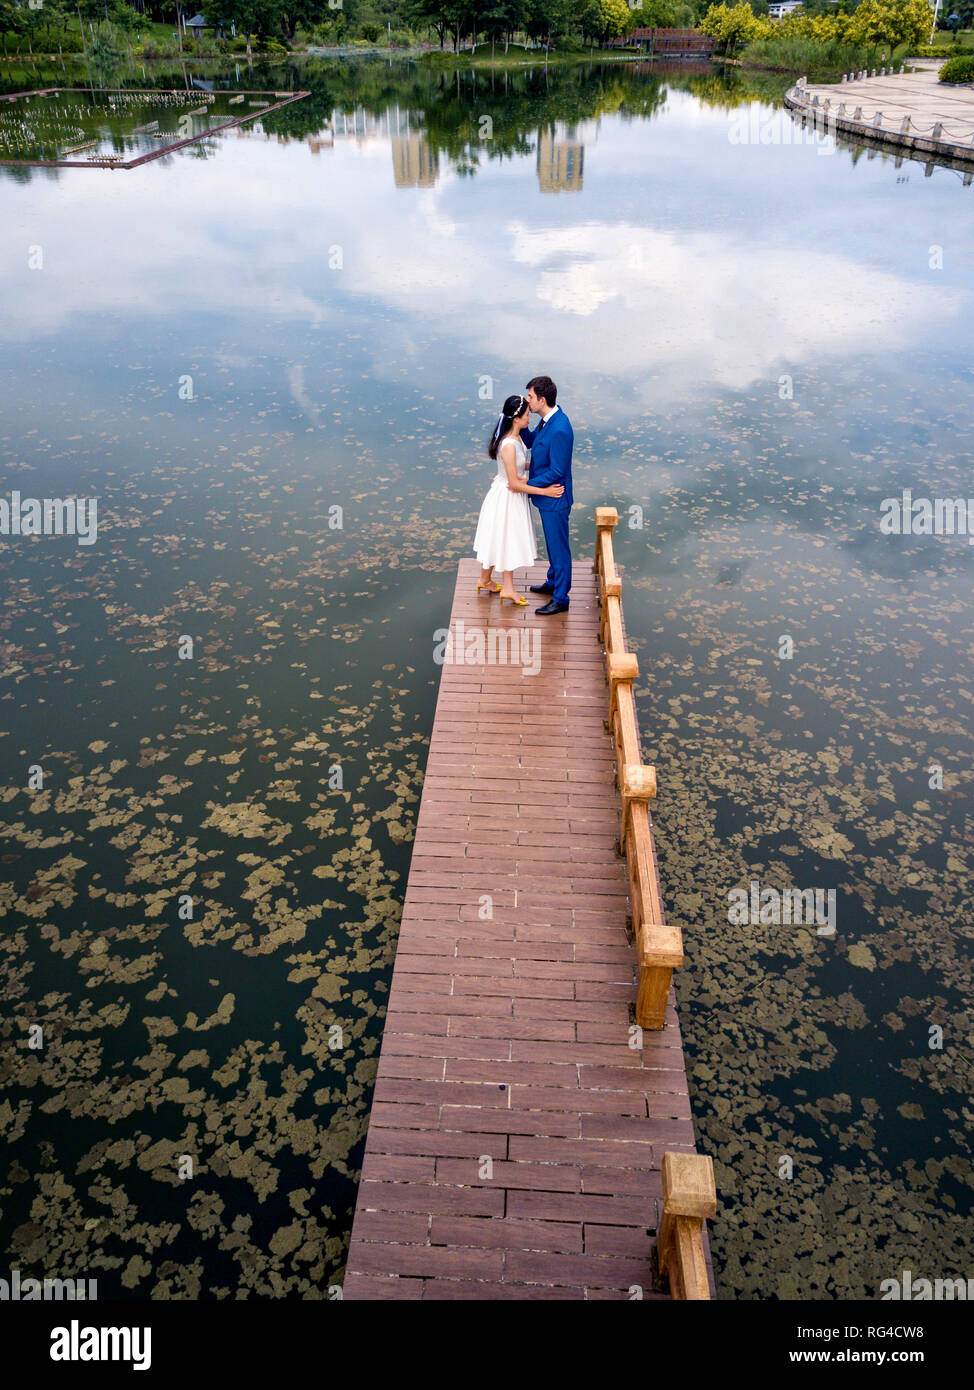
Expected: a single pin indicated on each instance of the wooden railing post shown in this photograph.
(638, 783)
(689, 1199)
(660, 950)
(620, 670)
(611, 595)
(606, 520)
(610, 629)
(610, 586)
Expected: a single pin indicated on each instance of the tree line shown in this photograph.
(456, 24)
(449, 23)
(885, 22)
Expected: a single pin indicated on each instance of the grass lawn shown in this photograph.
(965, 42)
(46, 42)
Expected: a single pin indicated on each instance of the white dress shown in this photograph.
(505, 538)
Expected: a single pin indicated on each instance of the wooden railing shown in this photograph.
(689, 1192)
(689, 1199)
(659, 946)
(667, 43)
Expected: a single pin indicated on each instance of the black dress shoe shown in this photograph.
(542, 589)
(552, 607)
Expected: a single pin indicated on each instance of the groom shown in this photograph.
(551, 462)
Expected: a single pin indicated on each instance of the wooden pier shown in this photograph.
(531, 1135)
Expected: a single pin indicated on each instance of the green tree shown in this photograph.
(890, 22)
(607, 19)
(178, 9)
(500, 18)
(427, 14)
(33, 19)
(12, 22)
(731, 25)
(114, 12)
(241, 15)
(662, 14)
(58, 13)
(546, 18)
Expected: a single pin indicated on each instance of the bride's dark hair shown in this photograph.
(514, 408)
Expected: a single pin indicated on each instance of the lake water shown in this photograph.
(274, 356)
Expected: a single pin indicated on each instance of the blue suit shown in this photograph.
(551, 462)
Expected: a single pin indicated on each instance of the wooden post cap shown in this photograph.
(606, 516)
(688, 1185)
(623, 666)
(638, 781)
(660, 946)
(612, 588)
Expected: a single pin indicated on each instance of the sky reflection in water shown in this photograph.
(338, 301)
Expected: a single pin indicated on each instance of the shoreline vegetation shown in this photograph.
(822, 40)
(769, 56)
(535, 57)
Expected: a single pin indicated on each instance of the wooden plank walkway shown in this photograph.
(516, 1137)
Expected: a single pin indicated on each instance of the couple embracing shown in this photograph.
(505, 539)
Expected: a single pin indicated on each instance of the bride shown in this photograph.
(505, 537)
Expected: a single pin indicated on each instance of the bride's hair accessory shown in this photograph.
(513, 408)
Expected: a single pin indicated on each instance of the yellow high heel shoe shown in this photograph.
(517, 600)
(491, 587)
